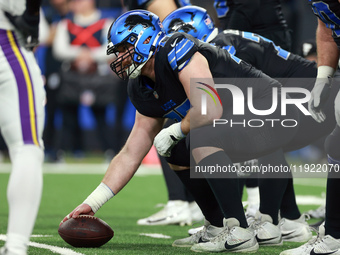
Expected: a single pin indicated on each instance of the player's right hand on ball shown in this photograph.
(80, 209)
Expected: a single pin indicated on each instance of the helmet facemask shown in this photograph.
(133, 69)
(120, 66)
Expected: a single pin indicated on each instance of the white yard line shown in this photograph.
(309, 200)
(41, 235)
(155, 235)
(54, 249)
(316, 182)
(304, 200)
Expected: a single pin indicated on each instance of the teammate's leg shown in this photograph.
(231, 207)
(332, 221)
(289, 208)
(177, 209)
(329, 235)
(198, 187)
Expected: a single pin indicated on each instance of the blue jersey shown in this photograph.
(167, 98)
(255, 16)
(263, 54)
(264, 17)
(329, 12)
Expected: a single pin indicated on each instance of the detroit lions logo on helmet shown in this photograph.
(178, 24)
(134, 20)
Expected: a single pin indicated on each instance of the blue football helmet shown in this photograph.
(140, 29)
(193, 20)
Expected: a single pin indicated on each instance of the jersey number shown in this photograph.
(232, 51)
(256, 38)
(179, 112)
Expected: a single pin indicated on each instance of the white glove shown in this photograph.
(168, 138)
(319, 97)
(337, 108)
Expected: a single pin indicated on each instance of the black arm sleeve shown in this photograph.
(242, 15)
(33, 6)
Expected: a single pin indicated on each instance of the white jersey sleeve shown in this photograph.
(14, 7)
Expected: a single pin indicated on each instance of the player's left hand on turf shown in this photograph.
(319, 97)
(168, 138)
(28, 25)
(80, 209)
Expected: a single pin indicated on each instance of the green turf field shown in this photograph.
(62, 192)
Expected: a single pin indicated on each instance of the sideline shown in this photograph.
(144, 170)
(83, 168)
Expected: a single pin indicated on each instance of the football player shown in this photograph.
(328, 46)
(264, 17)
(21, 118)
(160, 69)
(180, 208)
(262, 53)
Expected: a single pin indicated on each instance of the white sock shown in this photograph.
(17, 244)
(253, 196)
(23, 195)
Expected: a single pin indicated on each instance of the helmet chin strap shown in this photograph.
(136, 72)
(212, 35)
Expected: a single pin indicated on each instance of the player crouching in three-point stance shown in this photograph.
(162, 68)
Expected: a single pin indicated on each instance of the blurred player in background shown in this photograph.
(308, 50)
(21, 119)
(263, 17)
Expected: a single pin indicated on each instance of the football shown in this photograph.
(85, 231)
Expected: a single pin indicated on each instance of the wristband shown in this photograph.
(98, 197)
(325, 72)
(179, 133)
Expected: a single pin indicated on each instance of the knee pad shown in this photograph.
(180, 154)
